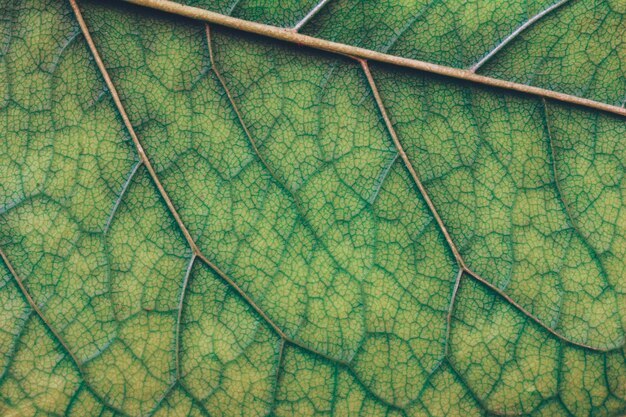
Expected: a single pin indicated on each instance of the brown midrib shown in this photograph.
(292, 36)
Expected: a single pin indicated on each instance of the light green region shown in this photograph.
(41, 379)
(230, 357)
(445, 395)
(325, 283)
(312, 387)
(512, 369)
(310, 243)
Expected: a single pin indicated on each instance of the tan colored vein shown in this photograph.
(283, 336)
(360, 54)
(129, 127)
(289, 35)
(153, 174)
(267, 166)
(35, 307)
(533, 317)
(196, 251)
(515, 33)
(55, 333)
(566, 208)
(243, 295)
(463, 267)
(296, 201)
(146, 162)
(407, 162)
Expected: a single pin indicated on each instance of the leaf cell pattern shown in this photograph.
(199, 222)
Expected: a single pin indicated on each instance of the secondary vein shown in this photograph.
(463, 268)
(146, 162)
(515, 33)
(195, 250)
(56, 335)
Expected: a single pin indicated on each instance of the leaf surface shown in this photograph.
(196, 221)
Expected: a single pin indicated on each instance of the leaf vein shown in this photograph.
(442, 227)
(508, 39)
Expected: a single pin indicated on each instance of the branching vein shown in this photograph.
(462, 265)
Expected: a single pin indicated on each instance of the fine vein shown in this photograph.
(258, 153)
(455, 290)
(152, 172)
(407, 162)
(35, 307)
(229, 280)
(315, 10)
(179, 315)
(285, 338)
(515, 33)
(129, 127)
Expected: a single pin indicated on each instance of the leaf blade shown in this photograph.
(376, 282)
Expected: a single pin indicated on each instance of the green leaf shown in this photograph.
(198, 220)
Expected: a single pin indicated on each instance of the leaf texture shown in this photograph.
(196, 221)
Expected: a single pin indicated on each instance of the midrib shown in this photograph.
(292, 36)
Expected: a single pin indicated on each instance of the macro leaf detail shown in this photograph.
(200, 219)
